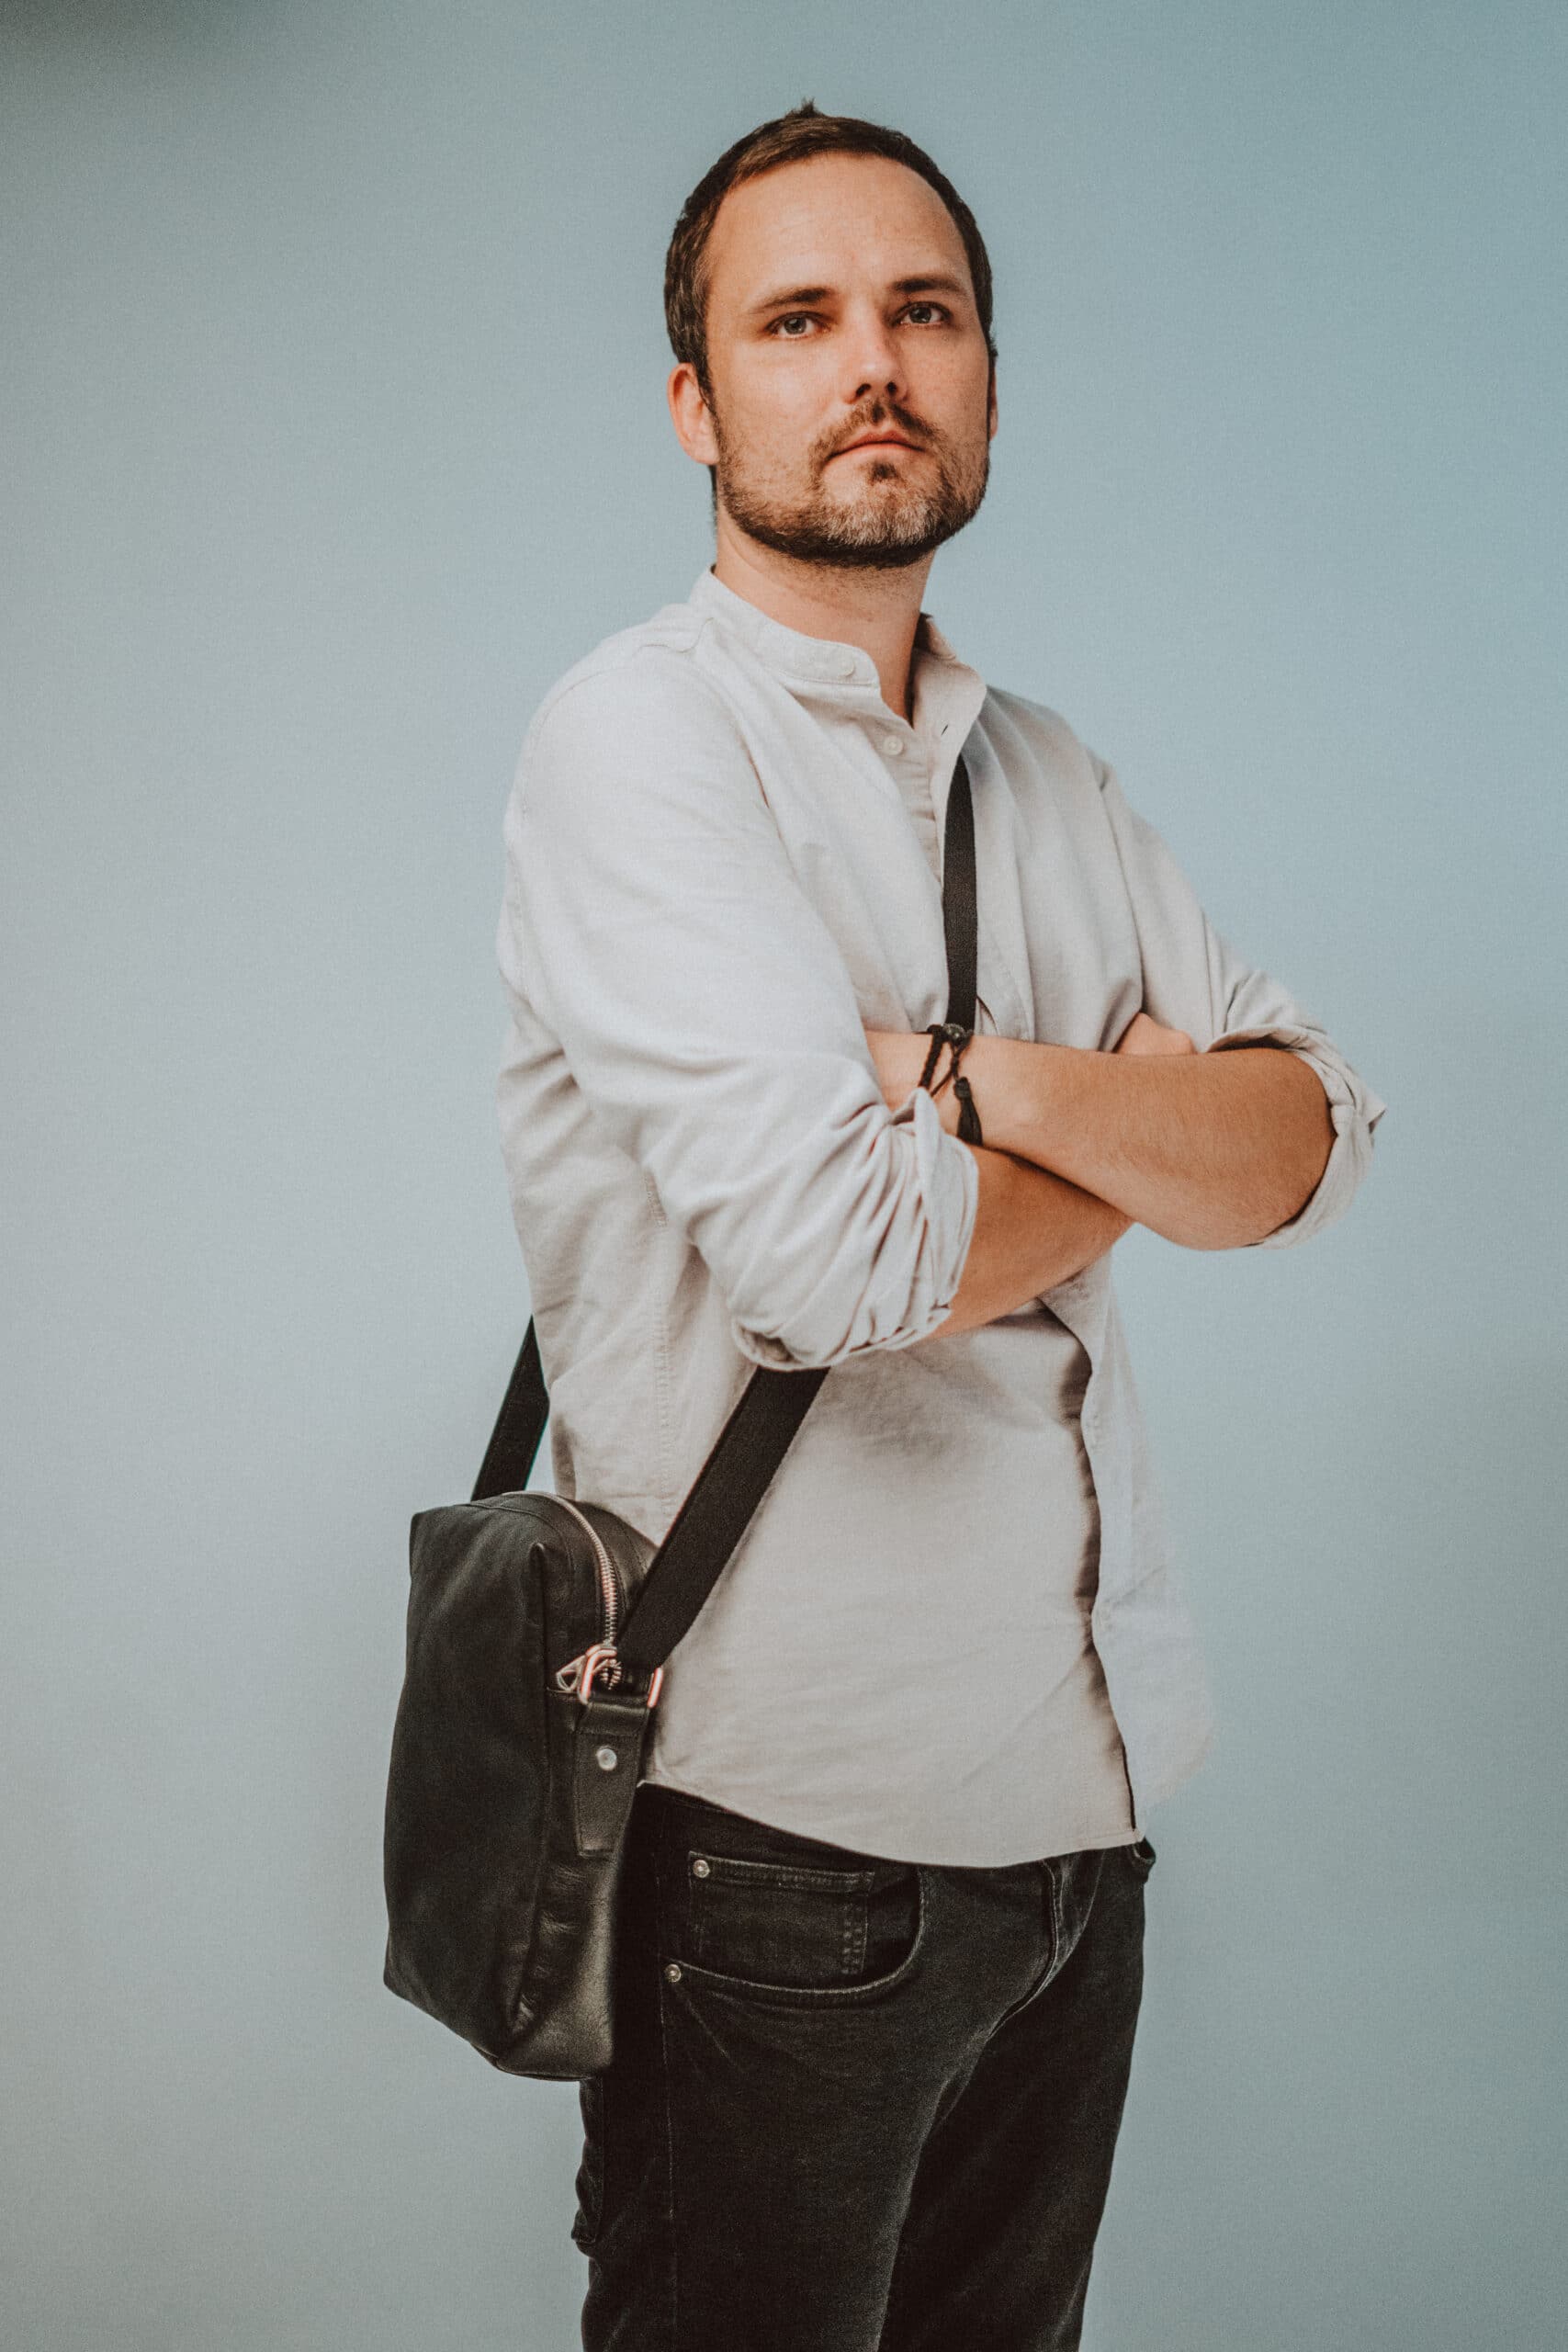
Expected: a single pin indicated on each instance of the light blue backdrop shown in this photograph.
(333, 365)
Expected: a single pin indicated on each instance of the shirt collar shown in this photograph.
(818, 661)
(947, 699)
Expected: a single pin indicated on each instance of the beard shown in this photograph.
(892, 517)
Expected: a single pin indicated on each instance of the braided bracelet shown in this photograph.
(952, 1034)
(941, 1033)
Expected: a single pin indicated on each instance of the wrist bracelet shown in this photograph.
(969, 1130)
(968, 1116)
(952, 1034)
(941, 1033)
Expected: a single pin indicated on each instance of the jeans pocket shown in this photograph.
(1141, 1854)
(590, 2171)
(796, 1927)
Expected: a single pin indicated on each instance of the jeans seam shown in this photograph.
(849, 1960)
(1057, 1885)
(674, 2295)
(1048, 1966)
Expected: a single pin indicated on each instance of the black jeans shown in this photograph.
(855, 2105)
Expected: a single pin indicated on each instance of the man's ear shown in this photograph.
(691, 415)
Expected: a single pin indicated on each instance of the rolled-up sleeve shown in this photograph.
(1195, 980)
(654, 922)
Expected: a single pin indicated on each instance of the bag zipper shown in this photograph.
(579, 1672)
(609, 1593)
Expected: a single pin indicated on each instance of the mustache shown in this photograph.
(895, 420)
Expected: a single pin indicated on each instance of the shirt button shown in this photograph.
(892, 745)
(847, 666)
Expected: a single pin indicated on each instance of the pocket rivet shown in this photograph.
(607, 1759)
(672, 1974)
(701, 1866)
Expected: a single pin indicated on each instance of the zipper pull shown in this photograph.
(578, 1674)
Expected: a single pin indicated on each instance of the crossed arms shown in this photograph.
(656, 926)
(1211, 1151)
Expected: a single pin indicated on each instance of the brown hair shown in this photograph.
(788, 140)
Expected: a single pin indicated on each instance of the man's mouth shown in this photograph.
(879, 441)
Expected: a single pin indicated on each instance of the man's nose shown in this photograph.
(873, 360)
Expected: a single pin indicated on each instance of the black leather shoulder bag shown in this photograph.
(537, 1632)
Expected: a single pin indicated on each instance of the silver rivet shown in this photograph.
(672, 1974)
(607, 1759)
(701, 1866)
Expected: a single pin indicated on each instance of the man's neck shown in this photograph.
(877, 611)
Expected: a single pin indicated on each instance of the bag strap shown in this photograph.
(960, 909)
(725, 1494)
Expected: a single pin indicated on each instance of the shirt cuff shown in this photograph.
(947, 1182)
(1355, 1111)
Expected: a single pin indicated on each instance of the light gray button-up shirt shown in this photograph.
(954, 1632)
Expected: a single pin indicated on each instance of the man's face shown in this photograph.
(841, 302)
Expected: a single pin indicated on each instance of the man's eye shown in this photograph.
(936, 307)
(790, 318)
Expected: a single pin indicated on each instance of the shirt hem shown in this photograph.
(659, 1777)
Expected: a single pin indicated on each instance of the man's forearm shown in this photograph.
(1032, 1229)
(1211, 1150)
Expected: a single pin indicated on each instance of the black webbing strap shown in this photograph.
(718, 1509)
(514, 1441)
(960, 913)
(724, 1496)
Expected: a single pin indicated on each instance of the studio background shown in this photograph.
(334, 366)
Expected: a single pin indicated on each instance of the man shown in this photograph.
(881, 1952)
